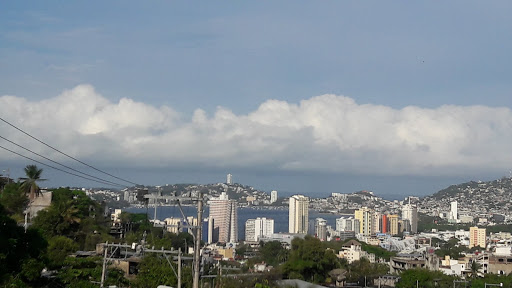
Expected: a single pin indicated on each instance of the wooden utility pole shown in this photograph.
(197, 244)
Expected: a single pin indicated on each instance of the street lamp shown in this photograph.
(499, 285)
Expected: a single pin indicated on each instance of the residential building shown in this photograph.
(229, 179)
(477, 237)
(321, 229)
(393, 224)
(225, 218)
(258, 228)
(453, 211)
(364, 215)
(410, 212)
(298, 214)
(273, 196)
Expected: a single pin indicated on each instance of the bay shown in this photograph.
(279, 215)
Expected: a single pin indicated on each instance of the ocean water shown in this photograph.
(280, 216)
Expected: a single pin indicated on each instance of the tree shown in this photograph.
(13, 199)
(309, 261)
(475, 266)
(29, 183)
(21, 254)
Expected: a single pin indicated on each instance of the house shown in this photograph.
(41, 202)
(352, 252)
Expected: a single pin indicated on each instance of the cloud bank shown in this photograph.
(327, 133)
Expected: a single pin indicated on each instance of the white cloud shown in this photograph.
(324, 133)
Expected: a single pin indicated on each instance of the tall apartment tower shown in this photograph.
(453, 211)
(410, 212)
(224, 213)
(298, 214)
(384, 224)
(393, 224)
(229, 179)
(364, 215)
(256, 228)
(273, 196)
(321, 229)
(477, 237)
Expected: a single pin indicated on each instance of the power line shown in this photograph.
(47, 145)
(70, 168)
(87, 178)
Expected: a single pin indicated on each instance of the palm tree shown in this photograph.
(29, 184)
(475, 266)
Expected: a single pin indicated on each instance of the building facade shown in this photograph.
(298, 214)
(477, 237)
(224, 213)
(258, 228)
(410, 212)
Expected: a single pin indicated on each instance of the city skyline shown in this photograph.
(303, 99)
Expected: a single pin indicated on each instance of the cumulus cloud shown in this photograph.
(327, 133)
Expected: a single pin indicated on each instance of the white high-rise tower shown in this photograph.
(410, 212)
(298, 214)
(229, 179)
(453, 211)
(273, 196)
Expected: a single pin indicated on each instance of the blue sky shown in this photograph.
(321, 80)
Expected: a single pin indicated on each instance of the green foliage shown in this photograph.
(378, 251)
(154, 271)
(20, 252)
(309, 261)
(13, 199)
(425, 278)
(74, 215)
(450, 248)
(59, 247)
(85, 272)
(362, 270)
(273, 253)
(29, 183)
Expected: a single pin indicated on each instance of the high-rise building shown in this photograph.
(298, 214)
(410, 212)
(364, 215)
(321, 229)
(393, 224)
(229, 179)
(477, 237)
(256, 228)
(224, 213)
(375, 222)
(453, 211)
(273, 196)
(384, 223)
(346, 224)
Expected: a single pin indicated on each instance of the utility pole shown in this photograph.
(197, 244)
(103, 271)
(179, 268)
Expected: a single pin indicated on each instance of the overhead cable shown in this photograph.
(70, 168)
(87, 178)
(49, 146)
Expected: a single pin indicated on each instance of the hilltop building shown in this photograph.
(229, 179)
(298, 214)
(273, 196)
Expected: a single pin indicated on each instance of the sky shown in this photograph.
(398, 97)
